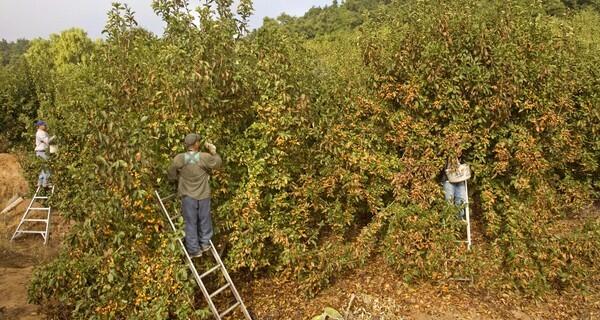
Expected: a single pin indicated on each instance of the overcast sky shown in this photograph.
(39, 18)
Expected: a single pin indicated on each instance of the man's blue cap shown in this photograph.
(40, 123)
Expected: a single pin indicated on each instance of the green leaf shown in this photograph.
(333, 314)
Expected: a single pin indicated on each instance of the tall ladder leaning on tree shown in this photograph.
(198, 277)
(28, 218)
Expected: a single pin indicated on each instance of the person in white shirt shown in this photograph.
(456, 191)
(42, 143)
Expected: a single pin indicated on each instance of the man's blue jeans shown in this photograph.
(456, 193)
(198, 223)
(44, 173)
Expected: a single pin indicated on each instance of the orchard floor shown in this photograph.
(372, 292)
(380, 294)
(19, 257)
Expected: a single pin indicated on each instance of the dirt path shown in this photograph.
(17, 261)
(14, 297)
(18, 258)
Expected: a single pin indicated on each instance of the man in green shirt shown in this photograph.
(192, 171)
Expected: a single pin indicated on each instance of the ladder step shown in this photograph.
(36, 220)
(461, 279)
(219, 290)
(168, 197)
(210, 271)
(26, 231)
(229, 310)
(40, 209)
(36, 197)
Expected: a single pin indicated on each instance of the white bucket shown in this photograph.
(53, 149)
(462, 173)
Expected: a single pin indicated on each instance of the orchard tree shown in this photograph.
(331, 149)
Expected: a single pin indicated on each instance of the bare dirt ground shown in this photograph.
(374, 292)
(379, 293)
(19, 257)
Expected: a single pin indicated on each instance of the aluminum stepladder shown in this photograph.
(45, 233)
(198, 277)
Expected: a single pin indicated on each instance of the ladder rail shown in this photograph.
(47, 235)
(467, 216)
(236, 294)
(25, 214)
(189, 261)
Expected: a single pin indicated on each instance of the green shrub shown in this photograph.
(329, 159)
(516, 89)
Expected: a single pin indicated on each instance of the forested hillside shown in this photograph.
(328, 20)
(334, 128)
(342, 16)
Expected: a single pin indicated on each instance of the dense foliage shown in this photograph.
(328, 20)
(30, 76)
(17, 97)
(9, 51)
(332, 146)
(519, 92)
